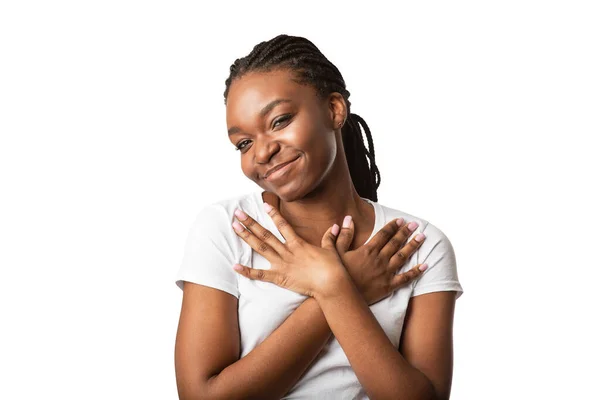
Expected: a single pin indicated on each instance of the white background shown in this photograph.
(485, 118)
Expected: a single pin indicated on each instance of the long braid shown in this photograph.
(311, 67)
(375, 176)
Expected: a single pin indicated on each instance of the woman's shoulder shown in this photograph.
(437, 251)
(220, 213)
(246, 202)
(425, 226)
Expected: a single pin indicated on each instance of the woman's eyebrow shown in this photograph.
(265, 110)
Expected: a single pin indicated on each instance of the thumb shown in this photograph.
(344, 239)
(255, 274)
(328, 239)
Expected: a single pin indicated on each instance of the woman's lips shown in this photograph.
(281, 171)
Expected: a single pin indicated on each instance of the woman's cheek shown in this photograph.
(248, 170)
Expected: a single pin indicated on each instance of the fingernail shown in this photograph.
(419, 237)
(412, 226)
(347, 220)
(400, 221)
(238, 267)
(267, 207)
(423, 267)
(237, 226)
(335, 229)
(240, 214)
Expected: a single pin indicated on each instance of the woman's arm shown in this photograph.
(366, 345)
(426, 340)
(207, 349)
(207, 346)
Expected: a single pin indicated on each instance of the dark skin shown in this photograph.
(207, 345)
(318, 191)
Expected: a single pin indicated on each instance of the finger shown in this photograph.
(382, 237)
(261, 247)
(262, 233)
(328, 239)
(399, 258)
(344, 238)
(399, 239)
(255, 274)
(283, 226)
(404, 278)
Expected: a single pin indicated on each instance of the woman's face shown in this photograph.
(274, 120)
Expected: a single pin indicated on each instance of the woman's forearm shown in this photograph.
(271, 369)
(379, 366)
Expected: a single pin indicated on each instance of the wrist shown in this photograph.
(334, 285)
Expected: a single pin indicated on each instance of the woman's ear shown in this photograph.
(337, 110)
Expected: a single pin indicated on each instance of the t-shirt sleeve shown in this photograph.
(441, 273)
(210, 252)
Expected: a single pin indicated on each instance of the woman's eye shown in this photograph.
(281, 120)
(239, 146)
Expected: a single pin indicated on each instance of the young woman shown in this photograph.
(311, 311)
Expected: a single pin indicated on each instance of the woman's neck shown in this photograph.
(311, 217)
(328, 204)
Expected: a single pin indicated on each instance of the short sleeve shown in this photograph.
(441, 274)
(210, 252)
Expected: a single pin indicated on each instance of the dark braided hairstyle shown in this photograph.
(311, 67)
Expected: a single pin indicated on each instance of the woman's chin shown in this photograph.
(287, 192)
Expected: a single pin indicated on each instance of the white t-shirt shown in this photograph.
(212, 248)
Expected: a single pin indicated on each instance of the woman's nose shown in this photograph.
(265, 147)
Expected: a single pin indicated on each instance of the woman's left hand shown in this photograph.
(295, 265)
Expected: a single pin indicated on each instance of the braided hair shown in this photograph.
(311, 67)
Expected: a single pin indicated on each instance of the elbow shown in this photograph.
(431, 394)
(209, 389)
(189, 394)
(427, 392)
(434, 394)
(196, 390)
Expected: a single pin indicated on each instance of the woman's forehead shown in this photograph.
(249, 95)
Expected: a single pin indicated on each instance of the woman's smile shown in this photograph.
(277, 174)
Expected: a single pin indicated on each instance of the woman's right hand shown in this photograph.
(373, 265)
